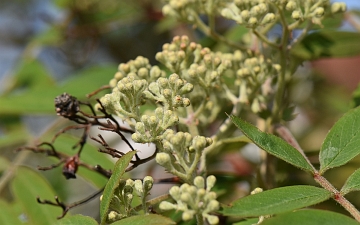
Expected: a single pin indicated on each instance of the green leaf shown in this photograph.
(352, 183)
(77, 219)
(342, 142)
(113, 183)
(151, 219)
(273, 145)
(26, 186)
(356, 97)
(277, 200)
(41, 99)
(310, 217)
(4, 163)
(327, 43)
(251, 221)
(9, 214)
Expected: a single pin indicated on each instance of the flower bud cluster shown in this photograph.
(180, 150)
(179, 54)
(140, 68)
(151, 128)
(169, 91)
(314, 10)
(250, 13)
(208, 71)
(252, 77)
(187, 10)
(126, 96)
(120, 206)
(192, 62)
(194, 199)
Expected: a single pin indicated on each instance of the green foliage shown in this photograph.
(26, 186)
(311, 217)
(113, 183)
(342, 142)
(151, 219)
(77, 219)
(277, 201)
(273, 145)
(326, 44)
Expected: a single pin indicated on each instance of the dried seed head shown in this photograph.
(66, 105)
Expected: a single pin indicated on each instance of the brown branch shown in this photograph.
(66, 207)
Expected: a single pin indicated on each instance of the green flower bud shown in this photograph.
(268, 18)
(212, 219)
(154, 88)
(213, 205)
(199, 182)
(252, 21)
(113, 82)
(245, 14)
(187, 215)
(163, 82)
(160, 57)
(227, 13)
(201, 193)
(162, 159)
(139, 127)
(184, 187)
(138, 138)
(138, 187)
(175, 192)
(263, 8)
(337, 7)
(296, 15)
(155, 72)
(186, 102)
(143, 73)
(124, 67)
(167, 206)
(128, 198)
(185, 197)
(167, 93)
(201, 70)
(210, 182)
(211, 195)
(187, 88)
(319, 12)
(291, 5)
(112, 216)
(277, 67)
(148, 183)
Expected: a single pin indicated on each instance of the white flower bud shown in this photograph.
(138, 187)
(210, 182)
(319, 12)
(162, 158)
(291, 5)
(337, 7)
(296, 15)
(167, 206)
(175, 193)
(199, 182)
(148, 183)
(268, 18)
(212, 219)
